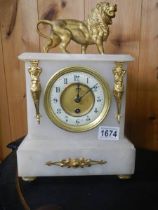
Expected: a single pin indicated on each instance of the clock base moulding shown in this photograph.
(48, 150)
(34, 156)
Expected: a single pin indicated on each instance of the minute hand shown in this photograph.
(88, 91)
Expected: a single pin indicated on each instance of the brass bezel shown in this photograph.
(76, 128)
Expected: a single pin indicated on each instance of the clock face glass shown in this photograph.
(77, 99)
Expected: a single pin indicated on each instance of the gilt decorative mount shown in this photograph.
(76, 163)
(35, 72)
(94, 30)
(118, 90)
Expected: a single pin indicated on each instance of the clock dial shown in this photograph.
(77, 99)
(72, 101)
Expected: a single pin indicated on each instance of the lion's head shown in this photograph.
(102, 14)
(100, 18)
(107, 11)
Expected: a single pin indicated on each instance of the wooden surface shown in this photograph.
(5, 133)
(134, 31)
(145, 133)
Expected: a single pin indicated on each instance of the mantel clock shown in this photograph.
(76, 104)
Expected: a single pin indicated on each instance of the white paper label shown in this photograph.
(108, 133)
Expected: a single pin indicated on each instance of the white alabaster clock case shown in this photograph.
(76, 116)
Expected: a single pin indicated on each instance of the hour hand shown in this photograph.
(78, 98)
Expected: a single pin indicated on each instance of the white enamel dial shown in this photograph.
(77, 99)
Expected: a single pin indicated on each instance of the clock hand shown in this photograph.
(78, 90)
(87, 91)
(77, 99)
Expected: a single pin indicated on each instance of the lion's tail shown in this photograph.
(44, 22)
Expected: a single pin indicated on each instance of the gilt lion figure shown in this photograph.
(94, 30)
